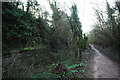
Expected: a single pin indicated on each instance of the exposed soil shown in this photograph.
(88, 55)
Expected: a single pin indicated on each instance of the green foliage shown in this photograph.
(56, 13)
(16, 29)
(20, 27)
(48, 74)
(75, 65)
(78, 41)
(34, 46)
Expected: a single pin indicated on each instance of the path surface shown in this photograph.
(103, 66)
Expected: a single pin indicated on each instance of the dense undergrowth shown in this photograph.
(34, 64)
(33, 45)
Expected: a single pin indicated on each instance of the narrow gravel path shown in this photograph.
(103, 66)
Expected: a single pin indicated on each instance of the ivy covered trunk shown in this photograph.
(78, 40)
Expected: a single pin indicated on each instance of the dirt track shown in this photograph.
(103, 67)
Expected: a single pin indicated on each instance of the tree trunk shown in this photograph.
(28, 7)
